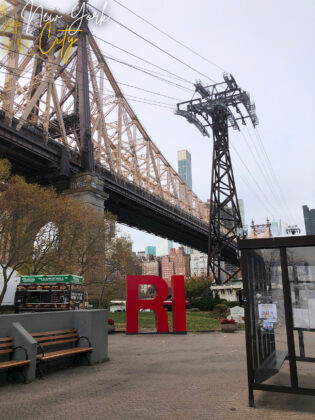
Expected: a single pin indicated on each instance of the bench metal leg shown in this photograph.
(86, 355)
(10, 376)
(251, 400)
(39, 370)
(21, 369)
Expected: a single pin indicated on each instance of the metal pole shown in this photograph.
(288, 317)
(248, 332)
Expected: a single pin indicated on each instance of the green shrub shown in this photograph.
(204, 303)
(232, 304)
(217, 299)
(221, 308)
(197, 286)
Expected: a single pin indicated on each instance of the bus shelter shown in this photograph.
(279, 300)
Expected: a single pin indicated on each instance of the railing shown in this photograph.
(151, 197)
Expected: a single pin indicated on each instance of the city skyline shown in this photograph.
(272, 77)
(142, 239)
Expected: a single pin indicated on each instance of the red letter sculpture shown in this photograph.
(179, 304)
(134, 304)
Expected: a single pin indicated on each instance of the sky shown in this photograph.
(268, 47)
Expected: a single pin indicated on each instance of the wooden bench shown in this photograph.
(59, 338)
(7, 347)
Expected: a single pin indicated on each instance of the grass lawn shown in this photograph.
(196, 321)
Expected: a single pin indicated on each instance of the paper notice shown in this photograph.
(268, 312)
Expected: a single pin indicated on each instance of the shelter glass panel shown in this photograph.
(301, 269)
(266, 304)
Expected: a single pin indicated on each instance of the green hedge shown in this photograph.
(231, 304)
(204, 303)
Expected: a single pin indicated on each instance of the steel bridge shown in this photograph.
(64, 113)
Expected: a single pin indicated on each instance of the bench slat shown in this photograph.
(55, 337)
(8, 344)
(13, 363)
(6, 339)
(53, 343)
(45, 333)
(62, 353)
(270, 366)
(6, 351)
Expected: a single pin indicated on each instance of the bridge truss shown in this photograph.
(72, 97)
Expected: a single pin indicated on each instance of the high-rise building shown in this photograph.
(163, 247)
(198, 263)
(184, 167)
(242, 211)
(168, 268)
(175, 263)
(150, 250)
(141, 254)
(151, 268)
(274, 228)
(181, 261)
(309, 220)
(188, 250)
(184, 171)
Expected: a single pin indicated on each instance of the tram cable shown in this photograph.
(153, 44)
(171, 37)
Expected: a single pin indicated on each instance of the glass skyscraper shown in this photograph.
(184, 171)
(184, 167)
(163, 247)
(242, 211)
(309, 220)
(274, 227)
(150, 250)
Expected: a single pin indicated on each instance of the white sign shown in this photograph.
(268, 312)
(237, 313)
(301, 318)
(267, 325)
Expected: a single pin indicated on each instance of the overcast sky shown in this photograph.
(269, 48)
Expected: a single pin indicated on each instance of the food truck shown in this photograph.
(49, 293)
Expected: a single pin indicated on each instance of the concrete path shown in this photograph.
(198, 376)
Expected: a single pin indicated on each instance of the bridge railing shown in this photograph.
(151, 197)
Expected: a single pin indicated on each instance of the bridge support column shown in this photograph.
(88, 188)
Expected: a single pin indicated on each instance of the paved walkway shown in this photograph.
(198, 376)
